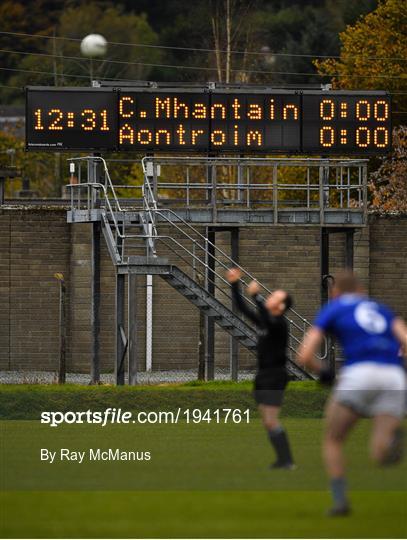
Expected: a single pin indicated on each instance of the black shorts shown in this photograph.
(269, 387)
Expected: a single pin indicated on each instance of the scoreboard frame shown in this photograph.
(246, 120)
(36, 147)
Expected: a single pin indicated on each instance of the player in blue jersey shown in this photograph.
(371, 383)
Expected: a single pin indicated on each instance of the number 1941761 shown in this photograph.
(218, 416)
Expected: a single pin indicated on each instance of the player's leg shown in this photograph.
(339, 421)
(270, 416)
(387, 409)
(277, 435)
(386, 445)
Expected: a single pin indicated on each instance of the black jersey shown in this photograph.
(272, 332)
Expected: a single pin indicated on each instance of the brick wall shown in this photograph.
(35, 243)
(388, 262)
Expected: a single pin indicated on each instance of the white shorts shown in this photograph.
(370, 389)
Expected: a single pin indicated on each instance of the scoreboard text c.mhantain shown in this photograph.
(208, 121)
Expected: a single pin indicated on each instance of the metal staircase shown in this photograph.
(192, 265)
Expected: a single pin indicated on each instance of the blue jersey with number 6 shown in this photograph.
(363, 328)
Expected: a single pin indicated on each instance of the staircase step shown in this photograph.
(190, 295)
(248, 343)
(237, 333)
(212, 307)
(209, 312)
(179, 286)
(226, 325)
(212, 313)
(198, 302)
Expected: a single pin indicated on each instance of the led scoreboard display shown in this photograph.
(343, 123)
(210, 122)
(206, 120)
(161, 121)
(77, 119)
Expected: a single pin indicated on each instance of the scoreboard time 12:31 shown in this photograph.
(203, 120)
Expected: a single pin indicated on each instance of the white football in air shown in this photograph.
(93, 45)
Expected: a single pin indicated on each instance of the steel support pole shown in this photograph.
(132, 327)
(95, 300)
(2, 189)
(324, 264)
(349, 248)
(325, 277)
(234, 344)
(149, 306)
(201, 346)
(212, 181)
(210, 323)
(120, 338)
(62, 332)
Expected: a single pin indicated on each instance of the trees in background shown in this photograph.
(374, 55)
(64, 65)
(250, 41)
(388, 185)
(255, 28)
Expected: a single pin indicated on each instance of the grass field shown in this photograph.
(198, 515)
(204, 480)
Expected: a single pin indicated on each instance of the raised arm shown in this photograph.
(233, 276)
(264, 315)
(243, 306)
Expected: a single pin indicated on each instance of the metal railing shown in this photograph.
(204, 259)
(298, 324)
(276, 183)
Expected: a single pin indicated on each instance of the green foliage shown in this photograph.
(388, 184)
(372, 48)
(74, 70)
(303, 399)
(283, 26)
(40, 171)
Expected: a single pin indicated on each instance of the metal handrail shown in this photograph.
(106, 170)
(151, 210)
(157, 211)
(104, 188)
(258, 161)
(308, 189)
(205, 265)
(226, 267)
(98, 186)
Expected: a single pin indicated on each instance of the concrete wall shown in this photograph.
(35, 243)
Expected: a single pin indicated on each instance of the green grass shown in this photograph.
(199, 515)
(204, 480)
(303, 399)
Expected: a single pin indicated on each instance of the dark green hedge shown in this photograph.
(303, 399)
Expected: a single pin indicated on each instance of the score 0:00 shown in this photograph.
(363, 136)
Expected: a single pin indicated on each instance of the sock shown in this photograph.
(396, 450)
(338, 489)
(281, 445)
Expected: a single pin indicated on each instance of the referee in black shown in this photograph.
(271, 378)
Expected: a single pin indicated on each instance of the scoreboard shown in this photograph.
(346, 123)
(208, 121)
(66, 119)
